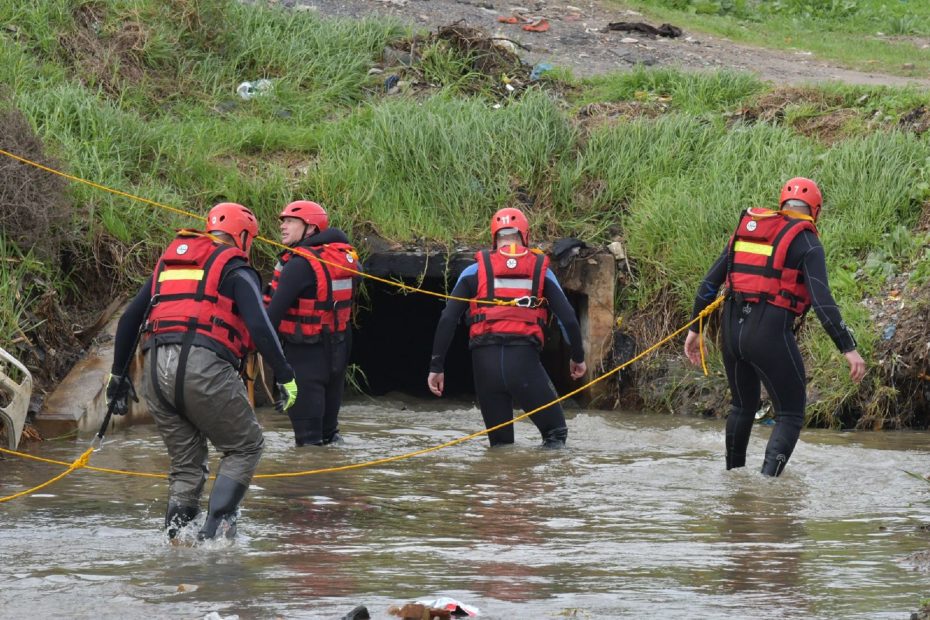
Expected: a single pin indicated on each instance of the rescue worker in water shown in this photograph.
(201, 313)
(774, 270)
(505, 340)
(309, 303)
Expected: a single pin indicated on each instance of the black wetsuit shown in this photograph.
(320, 366)
(759, 347)
(507, 368)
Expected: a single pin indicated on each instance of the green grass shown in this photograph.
(15, 272)
(436, 173)
(695, 93)
(431, 167)
(845, 31)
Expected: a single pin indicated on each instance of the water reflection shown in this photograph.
(506, 513)
(761, 528)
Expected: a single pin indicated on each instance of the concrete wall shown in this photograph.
(595, 278)
(79, 402)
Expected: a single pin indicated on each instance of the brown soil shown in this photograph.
(822, 116)
(107, 60)
(905, 358)
(578, 39)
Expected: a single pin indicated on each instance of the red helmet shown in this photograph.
(308, 212)
(233, 219)
(804, 190)
(510, 218)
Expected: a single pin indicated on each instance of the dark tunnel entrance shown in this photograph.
(393, 336)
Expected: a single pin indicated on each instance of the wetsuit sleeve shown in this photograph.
(296, 276)
(128, 327)
(710, 286)
(814, 266)
(466, 287)
(244, 283)
(563, 311)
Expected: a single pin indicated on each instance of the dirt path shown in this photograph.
(578, 38)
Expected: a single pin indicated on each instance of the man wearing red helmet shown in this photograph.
(774, 270)
(309, 303)
(200, 314)
(505, 340)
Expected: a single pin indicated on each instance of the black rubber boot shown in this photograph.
(306, 432)
(359, 613)
(554, 439)
(774, 465)
(177, 516)
(739, 427)
(335, 439)
(782, 441)
(498, 443)
(224, 506)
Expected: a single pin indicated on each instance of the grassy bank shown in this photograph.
(868, 35)
(140, 96)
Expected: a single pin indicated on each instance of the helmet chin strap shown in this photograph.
(308, 232)
(800, 215)
(508, 244)
(222, 237)
(510, 250)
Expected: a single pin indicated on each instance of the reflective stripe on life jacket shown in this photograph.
(510, 273)
(757, 255)
(186, 297)
(328, 309)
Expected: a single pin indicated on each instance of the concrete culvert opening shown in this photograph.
(393, 338)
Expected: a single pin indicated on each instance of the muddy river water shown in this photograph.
(637, 519)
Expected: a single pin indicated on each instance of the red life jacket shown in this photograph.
(186, 297)
(758, 250)
(328, 309)
(508, 273)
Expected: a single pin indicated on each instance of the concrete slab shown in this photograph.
(79, 401)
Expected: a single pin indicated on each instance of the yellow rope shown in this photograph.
(103, 470)
(701, 342)
(299, 251)
(82, 462)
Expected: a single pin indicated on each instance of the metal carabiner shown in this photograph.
(526, 301)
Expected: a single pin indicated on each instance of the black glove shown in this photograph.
(119, 391)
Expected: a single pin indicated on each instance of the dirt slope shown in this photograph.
(578, 38)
